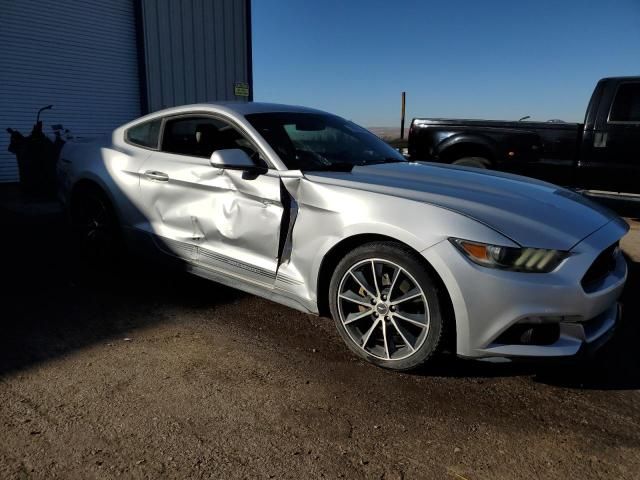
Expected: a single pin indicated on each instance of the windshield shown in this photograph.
(310, 141)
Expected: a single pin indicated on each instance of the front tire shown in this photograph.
(386, 307)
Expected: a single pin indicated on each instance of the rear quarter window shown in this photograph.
(145, 134)
(626, 105)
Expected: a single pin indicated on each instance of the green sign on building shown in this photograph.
(241, 89)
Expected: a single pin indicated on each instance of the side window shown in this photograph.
(626, 105)
(201, 136)
(145, 134)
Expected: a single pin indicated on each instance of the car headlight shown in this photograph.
(533, 260)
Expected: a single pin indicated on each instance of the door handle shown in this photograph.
(157, 176)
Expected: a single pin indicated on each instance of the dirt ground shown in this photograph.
(145, 373)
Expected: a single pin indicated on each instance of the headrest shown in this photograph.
(205, 132)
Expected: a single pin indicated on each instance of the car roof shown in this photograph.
(246, 108)
(238, 108)
(232, 109)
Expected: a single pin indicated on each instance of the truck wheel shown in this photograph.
(477, 162)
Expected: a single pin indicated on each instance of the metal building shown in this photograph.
(101, 64)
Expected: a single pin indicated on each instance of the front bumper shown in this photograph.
(487, 302)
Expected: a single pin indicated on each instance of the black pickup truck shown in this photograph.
(601, 154)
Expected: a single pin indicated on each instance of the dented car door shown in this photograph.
(241, 234)
(220, 219)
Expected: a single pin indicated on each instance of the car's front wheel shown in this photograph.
(386, 307)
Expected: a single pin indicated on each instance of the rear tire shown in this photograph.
(392, 319)
(476, 162)
(95, 229)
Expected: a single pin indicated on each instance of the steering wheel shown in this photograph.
(311, 158)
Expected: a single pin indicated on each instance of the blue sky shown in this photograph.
(498, 59)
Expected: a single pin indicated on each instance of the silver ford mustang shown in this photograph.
(314, 212)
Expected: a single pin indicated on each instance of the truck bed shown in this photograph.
(524, 125)
(517, 147)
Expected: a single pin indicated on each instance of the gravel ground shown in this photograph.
(145, 373)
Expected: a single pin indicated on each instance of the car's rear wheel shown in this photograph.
(386, 306)
(95, 228)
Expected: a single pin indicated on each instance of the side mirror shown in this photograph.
(232, 159)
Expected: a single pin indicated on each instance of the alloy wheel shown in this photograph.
(383, 309)
(95, 228)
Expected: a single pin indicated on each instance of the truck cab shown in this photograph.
(609, 157)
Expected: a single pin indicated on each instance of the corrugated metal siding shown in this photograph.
(79, 55)
(195, 50)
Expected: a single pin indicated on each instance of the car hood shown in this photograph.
(530, 212)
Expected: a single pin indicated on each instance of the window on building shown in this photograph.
(626, 105)
(145, 135)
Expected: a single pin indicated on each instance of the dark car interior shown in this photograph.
(200, 137)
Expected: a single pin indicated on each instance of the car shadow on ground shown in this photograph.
(53, 304)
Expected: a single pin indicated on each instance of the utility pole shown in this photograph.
(404, 97)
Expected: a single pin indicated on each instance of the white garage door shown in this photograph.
(79, 55)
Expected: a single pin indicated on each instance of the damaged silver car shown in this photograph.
(314, 212)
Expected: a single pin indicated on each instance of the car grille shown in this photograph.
(601, 267)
